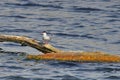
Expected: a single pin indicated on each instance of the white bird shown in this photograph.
(46, 38)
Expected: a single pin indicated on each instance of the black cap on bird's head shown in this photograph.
(44, 32)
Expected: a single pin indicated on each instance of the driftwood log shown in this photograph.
(52, 53)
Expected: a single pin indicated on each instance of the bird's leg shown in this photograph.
(46, 42)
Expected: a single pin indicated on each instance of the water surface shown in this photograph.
(87, 25)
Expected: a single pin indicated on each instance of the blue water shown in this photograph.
(87, 25)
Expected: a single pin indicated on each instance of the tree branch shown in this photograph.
(45, 48)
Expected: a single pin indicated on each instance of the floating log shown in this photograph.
(52, 53)
(79, 57)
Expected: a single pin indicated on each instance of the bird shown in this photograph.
(45, 36)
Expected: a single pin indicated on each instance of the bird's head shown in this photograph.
(44, 32)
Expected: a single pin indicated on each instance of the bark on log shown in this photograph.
(44, 48)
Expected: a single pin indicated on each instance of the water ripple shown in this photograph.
(14, 78)
(116, 42)
(31, 4)
(63, 64)
(107, 69)
(16, 30)
(113, 78)
(67, 77)
(65, 34)
(84, 9)
(90, 36)
(17, 16)
(85, 25)
(51, 19)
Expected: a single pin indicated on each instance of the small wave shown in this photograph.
(14, 78)
(78, 25)
(14, 67)
(11, 44)
(107, 69)
(5, 27)
(62, 64)
(67, 77)
(113, 20)
(65, 34)
(31, 4)
(83, 9)
(15, 30)
(36, 69)
(1, 49)
(17, 16)
(89, 36)
(51, 19)
(106, 28)
(116, 42)
(86, 70)
(22, 30)
(113, 77)
(114, 6)
(112, 32)
(113, 16)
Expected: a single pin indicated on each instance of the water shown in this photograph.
(88, 25)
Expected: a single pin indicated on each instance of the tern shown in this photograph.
(46, 38)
